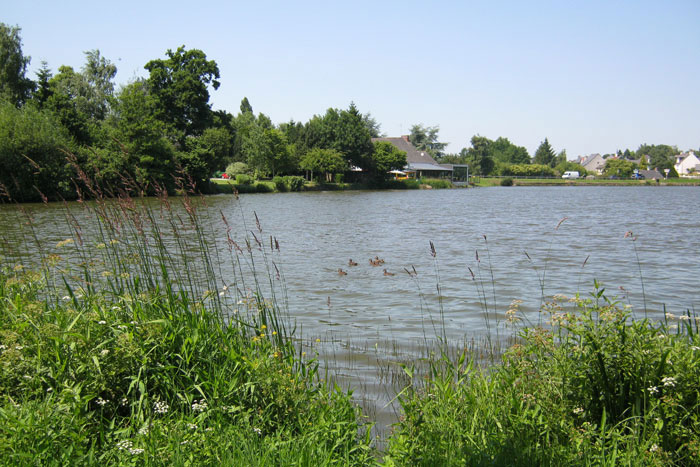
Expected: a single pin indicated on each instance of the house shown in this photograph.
(593, 163)
(418, 162)
(687, 163)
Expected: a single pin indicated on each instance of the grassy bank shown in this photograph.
(230, 186)
(593, 387)
(139, 354)
(496, 181)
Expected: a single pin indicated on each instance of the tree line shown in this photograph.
(66, 129)
(63, 129)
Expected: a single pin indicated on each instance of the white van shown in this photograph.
(571, 175)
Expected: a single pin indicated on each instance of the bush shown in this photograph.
(338, 178)
(507, 181)
(436, 182)
(527, 170)
(595, 388)
(243, 179)
(294, 182)
(280, 185)
(237, 168)
(264, 187)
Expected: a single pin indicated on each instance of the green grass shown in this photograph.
(139, 354)
(495, 181)
(593, 388)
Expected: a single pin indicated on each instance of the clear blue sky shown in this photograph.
(591, 76)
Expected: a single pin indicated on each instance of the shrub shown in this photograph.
(527, 170)
(294, 182)
(436, 182)
(594, 388)
(264, 187)
(237, 168)
(243, 179)
(280, 185)
(507, 181)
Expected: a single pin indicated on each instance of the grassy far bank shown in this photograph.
(496, 181)
(266, 186)
(140, 354)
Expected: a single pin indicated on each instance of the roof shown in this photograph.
(416, 159)
(651, 174)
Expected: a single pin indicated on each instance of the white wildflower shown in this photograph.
(143, 431)
(19, 347)
(161, 407)
(102, 322)
(3, 347)
(684, 318)
(653, 448)
(101, 402)
(653, 390)
(669, 381)
(209, 429)
(670, 316)
(695, 347)
(199, 406)
(578, 410)
(124, 445)
(124, 402)
(257, 430)
(27, 377)
(135, 451)
(191, 426)
(65, 297)
(104, 352)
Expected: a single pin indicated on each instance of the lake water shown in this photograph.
(506, 237)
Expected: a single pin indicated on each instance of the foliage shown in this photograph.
(437, 183)
(179, 86)
(527, 170)
(545, 154)
(619, 168)
(478, 156)
(426, 139)
(659, 156)
(243, 179)
(33, 150)
(294, 182)
(507, 181)
(237, 168)
(15, 87)
(597, 388)
(386, 157)
(139, 366)
(568, 166)
(324, 161)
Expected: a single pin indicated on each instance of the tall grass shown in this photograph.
(140, 352)
(590, 387)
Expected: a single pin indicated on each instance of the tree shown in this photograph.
(386, 157)
(545, 154)
(179, 85)
(15, 87)
(502, 150)
(660, 156)
(245, 106)
(643, 163)
(478, 156)
(98, 73)
(426, 139)
(375, 129)
(32, 157)
(619, 168)
(43, 87)
(325, 161)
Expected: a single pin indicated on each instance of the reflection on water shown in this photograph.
(492, 246)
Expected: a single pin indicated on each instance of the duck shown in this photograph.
(373, 262)
(341, 272)
(351, 262)
(387, 273)
(378, 260)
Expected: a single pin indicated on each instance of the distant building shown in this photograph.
(687, 163)
(418, 162)
(593, 163)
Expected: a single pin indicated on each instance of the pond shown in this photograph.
(491, 246)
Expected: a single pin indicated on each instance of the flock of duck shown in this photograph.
(376, 261)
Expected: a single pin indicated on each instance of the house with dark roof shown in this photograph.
(593, 163)
(418, 162)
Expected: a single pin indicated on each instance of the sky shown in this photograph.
(592, 77)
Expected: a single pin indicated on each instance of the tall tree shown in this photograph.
(99, 73)
(659, 156)
(426, 139)
(386, 157)
(43, 88)
(478, 156)
(15, 87)
(179, 84)
(545, 155)
(502, 150)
